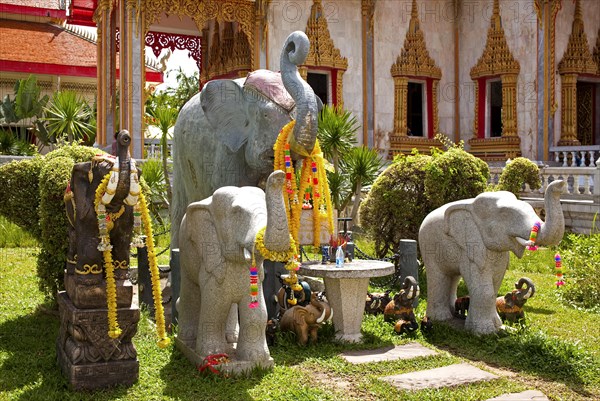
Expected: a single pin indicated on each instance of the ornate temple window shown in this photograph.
(495, 74)
(416, 78)
(580, 78)
(324, 67)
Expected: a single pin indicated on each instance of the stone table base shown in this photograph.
(346, 288)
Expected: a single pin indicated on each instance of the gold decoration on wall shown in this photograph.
(368, 11)
(596, 54)
(229, 54)
(322, 52)
(497, 60)
(414, 61)
(585, 106)
(576, 60)
(201, 11)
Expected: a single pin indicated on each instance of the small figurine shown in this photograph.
(306, 320)
(461, 306)
(510, 306)
(376, 302)
(400, 308)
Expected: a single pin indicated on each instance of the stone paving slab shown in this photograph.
(529, 395)
(406, 351)
(453, 375)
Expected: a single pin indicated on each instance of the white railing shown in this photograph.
(576, 156)
(153, 150)
(583, 182)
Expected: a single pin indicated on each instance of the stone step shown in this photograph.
(529, 395)
(391, 353)
(453, 375)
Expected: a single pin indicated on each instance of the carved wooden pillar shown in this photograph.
(340, 88)
(434, 100)
(105, 19)
(509, 104)
(132, 74)
(303, 71)
(568, 135)
(476, 118)
(400, 106)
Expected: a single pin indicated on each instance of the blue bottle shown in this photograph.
(339, 257)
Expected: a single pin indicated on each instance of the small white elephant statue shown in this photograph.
(472, 238)
(217, 238)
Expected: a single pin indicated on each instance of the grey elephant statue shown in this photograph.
(510, 306)
(306, 320)
(225, 134)
(217, 249)
(472, 238)
(400, 309)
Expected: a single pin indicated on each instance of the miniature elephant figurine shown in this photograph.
(375, 303)
(461, 307)
(510, 306)
(306, 320)
(400, 309)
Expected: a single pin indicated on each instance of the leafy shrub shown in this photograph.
(581, 266)
(518, 172)
(453, 175)
(9, 145)
(396, 204)
(21, 198)
(77, 153)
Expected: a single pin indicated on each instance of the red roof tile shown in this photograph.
(32, 42)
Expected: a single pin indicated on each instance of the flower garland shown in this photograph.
(105, 224)
(290, 257)
(559, 275)
(313, 185)
(533, 236)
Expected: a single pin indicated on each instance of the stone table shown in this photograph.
(346, 288)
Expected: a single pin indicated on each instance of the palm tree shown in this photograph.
(69, 116)
(361, 165)
(163, 116)
(337, 133)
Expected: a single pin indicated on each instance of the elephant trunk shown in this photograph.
(552, 231)
(277, 237)
(294, 53)
(122, 190)
(524, 293)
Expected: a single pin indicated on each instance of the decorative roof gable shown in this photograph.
(323, 52)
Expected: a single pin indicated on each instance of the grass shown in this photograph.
(557, 352)
(12, 236)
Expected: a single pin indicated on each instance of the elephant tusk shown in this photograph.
(522, 241)
(528, 293)
(330, 314)
(410, 294)
(322, 317)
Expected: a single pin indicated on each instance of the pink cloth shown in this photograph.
(269, 84)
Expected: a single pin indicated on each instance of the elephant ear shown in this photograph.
(202, 233)
(225, 108)
(508, 300)
(460, 225)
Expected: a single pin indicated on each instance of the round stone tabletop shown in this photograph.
(356, 269)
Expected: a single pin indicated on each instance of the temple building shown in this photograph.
(508, 77)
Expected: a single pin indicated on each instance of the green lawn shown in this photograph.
(558, 353)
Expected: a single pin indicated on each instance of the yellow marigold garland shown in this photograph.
(159, 314)
(308, 177)
(111, 289)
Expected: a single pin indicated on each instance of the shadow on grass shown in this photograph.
(525, 350)
(540, 311)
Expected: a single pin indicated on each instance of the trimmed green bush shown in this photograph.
(581, 267)
(518, 172)
(53, 220)
(21, 198)
(396, 204)
(453, 175)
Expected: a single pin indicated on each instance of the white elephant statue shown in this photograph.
(217, 237)
(472, 238)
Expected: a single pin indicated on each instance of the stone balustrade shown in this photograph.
(575, 156)
(153, 150)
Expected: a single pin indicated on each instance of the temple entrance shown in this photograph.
(414, 109)
(585, 112)
(319, 84)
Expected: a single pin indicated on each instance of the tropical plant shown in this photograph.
(361, 165)
(26, 105)
(188, 86)
(9, 145)
(337, 133)
(154, 177)
(163, 116)
(70, 118)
